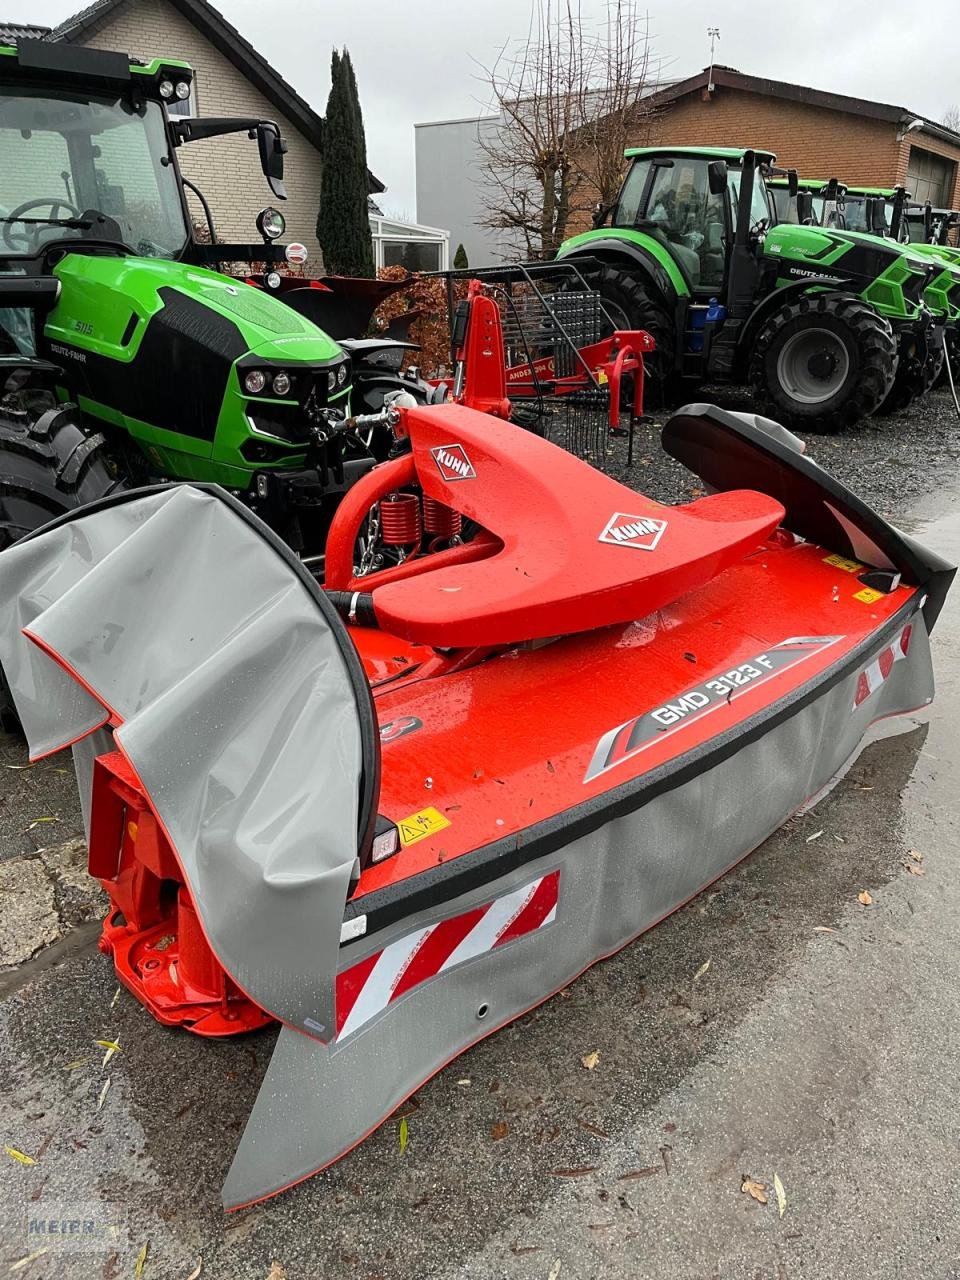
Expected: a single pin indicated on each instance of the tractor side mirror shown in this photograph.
(793, 184)
(805, 208)
(717, 177)
(272, 150)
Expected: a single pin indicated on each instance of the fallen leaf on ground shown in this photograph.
(116, 997)
(464, 1084)
(103, 1093)
(590, 1060)
(19, 1156)
(816, 836)
(865, 898)
(580, 1172)
(31, 1257)
(701, 971)
(111, 1046)
(520, 1249)
(754, 1189)
(195, 1273)
(404, 1135)
(499, 1130)
(592, 1128)
(914, 869)
(781, 1194)
(633, 1174)
(141, 1260)
(76, 1063)
(823, 928)
(916, 855)
(276, 1272)
(554, 1270)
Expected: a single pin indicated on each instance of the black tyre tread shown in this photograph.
(877, 349)
(645, 310)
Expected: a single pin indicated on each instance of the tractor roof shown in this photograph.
(886, 192)
(34, 58)
(805, 184)
(734, 154)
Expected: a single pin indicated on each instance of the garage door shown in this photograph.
(930, 177)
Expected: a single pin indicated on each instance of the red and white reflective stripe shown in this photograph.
(366, 988)
(879, 669)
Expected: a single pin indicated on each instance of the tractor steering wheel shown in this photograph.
(30, 235)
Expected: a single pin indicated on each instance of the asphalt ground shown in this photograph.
(818, 1047)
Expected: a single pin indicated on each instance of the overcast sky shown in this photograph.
(419, 61)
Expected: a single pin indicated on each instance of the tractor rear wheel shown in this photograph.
(48, 465)
(823, 361)
(632, 305)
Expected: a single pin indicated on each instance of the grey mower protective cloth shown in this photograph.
(238, 714)
(317, 1101)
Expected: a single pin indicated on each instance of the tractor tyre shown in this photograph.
(48, 466)
(933, 369)
(633, 306)
(822, 362)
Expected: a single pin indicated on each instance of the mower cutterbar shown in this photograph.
(397, 829)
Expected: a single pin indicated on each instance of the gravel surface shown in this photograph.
(890, 462)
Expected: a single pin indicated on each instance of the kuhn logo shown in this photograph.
(643, 532)
(453, 463)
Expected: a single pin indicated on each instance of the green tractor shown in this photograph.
(816, 320)
(125, 357)
(885, 212)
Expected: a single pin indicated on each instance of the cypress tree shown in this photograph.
(343, 225)
(460, 262)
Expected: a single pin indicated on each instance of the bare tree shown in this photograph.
(567, 101)
(951, 118)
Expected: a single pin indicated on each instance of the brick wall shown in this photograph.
(227, 170)
(817, 142)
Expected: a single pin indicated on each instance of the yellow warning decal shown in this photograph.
(868, 595)
(420, 825)
(838, 562)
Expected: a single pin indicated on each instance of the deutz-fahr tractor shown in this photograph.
(816, 319)
(885, 212)
(124, 358)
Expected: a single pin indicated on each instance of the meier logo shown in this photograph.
(453, 463)
(642, 532)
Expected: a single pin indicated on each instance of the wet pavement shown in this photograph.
(819, 1045)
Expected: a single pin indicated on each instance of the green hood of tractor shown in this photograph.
(888, 275)
(160, 349)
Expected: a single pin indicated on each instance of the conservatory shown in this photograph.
(409, 244)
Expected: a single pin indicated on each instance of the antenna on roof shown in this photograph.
(714, 34)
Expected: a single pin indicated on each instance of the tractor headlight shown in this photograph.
(281, 384)
(255, 381)
(166, 89)
(341, 375)
(270, 223)
(182, 90)
(273, 280)
(331, 379)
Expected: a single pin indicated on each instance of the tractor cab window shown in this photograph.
(759, 204)
(67, 157)
(689, 218)
(628, 206)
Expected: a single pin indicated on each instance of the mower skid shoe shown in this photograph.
(319, 1101)
(235, 696)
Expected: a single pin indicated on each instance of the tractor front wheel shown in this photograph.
(823, 361)
(48, 465)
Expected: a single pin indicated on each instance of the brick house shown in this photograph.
(231, 79)
(822, 135)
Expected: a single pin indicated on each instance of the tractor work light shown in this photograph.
(273, 280)
(386, 841)
(255, 381)
(183, 90)
(271, 223)
(281, 383)
(166, 89)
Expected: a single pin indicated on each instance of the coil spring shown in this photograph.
(439, 520)
(400, 519)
